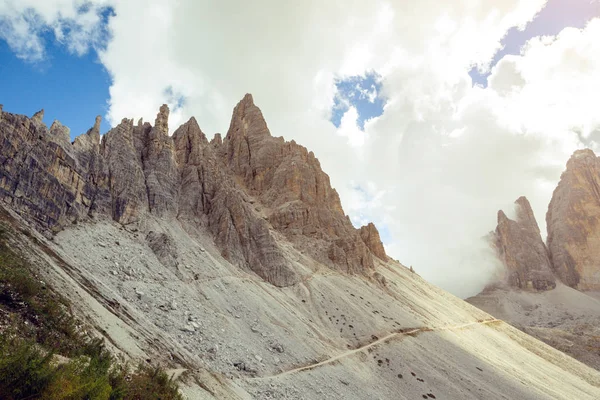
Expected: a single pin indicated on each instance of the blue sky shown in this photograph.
(362, 92)
(550, 21)
(69, 88)
(74, 89)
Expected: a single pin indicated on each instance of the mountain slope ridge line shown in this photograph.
(377, 342)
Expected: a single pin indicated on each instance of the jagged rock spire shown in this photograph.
(60, 133)
(38, 116)
(217, 140)
(520, 247)
(189, 141)
(247, 120)
(370, 235)
(97, 122)
(126, 179)
(161, 124)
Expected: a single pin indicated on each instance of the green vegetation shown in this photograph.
(44, 354)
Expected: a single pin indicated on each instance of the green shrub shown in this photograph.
(150, 383)
(24, 369)
(27, 372)
(42, 326)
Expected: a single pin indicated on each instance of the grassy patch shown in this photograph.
(36, 324)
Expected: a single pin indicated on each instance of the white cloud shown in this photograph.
(75, 23)
(443, 157)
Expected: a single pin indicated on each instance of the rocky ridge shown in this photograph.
(572, 254)
(252, 191)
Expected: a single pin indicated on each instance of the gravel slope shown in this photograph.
(229, 335)
(565, 318)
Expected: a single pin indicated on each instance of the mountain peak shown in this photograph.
(161, 124)
(248, 99)
(247, 120)
(38, 116)
(97, 123)
(525, 213)
(520, 247)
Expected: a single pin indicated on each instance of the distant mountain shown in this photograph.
(551, 311)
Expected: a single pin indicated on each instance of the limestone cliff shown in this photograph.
(298, 198)
(573, 223)
(520, 247)
(250, 190)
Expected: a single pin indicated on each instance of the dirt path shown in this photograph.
(377, 342)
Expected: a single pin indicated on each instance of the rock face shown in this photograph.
(41, 179)
(252, 191)
(127, 181)
(573, 223)
(520, 247)
(370, 235)
(209, 194)
(288, 180)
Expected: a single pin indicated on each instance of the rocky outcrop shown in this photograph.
(209, 195)
(164, 248)
(573, 223)
(288, 180)
(250, 190)
(127, 181)
(39, 178)
(60, 134)
(520, 247)
(160, 169)
(370, 235)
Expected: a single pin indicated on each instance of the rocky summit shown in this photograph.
(551, 290)
(572, 254)
(230, 264)
(521, 248)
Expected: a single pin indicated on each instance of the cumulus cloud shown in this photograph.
(78, 24)
(443, 157)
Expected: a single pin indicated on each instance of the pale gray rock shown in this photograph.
(164, 247)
